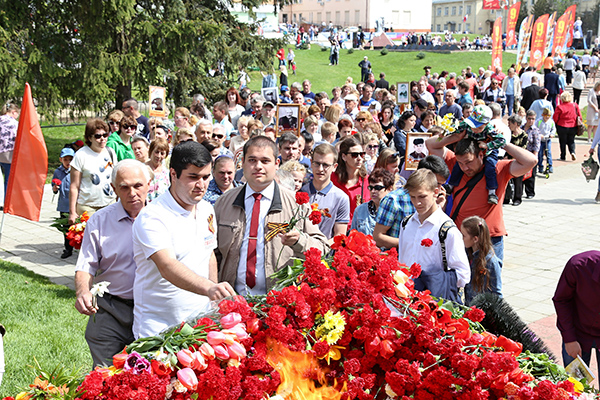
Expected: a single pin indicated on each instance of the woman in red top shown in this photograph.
(351, 173)
(565, 118)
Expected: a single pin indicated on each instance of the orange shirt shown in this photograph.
(548, 62)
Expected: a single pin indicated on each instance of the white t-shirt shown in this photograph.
(164, 224)
(569, 64)
(95, 168)
(585, 59)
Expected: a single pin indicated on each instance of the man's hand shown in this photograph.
(290, 238)
(221, 290)
(84, 304)
(573, 349)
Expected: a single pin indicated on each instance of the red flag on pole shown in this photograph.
(29, 165)
(570, 11)
(497, 44)
(538, 41)
(513, 15)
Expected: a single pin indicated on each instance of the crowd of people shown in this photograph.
(188, 210)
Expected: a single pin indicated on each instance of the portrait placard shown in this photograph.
(288, 119)
(157, 101)
(415, 149)
(270, 94)
(403, 93)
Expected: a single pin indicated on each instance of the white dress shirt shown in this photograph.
(261, 280)
(410, 249)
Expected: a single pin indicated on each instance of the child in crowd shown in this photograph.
(297, 170)
(547, 129)
(62, 174)
(486, 268)
(420, 241)
(478, 127)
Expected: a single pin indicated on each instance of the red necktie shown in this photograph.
(251, 258)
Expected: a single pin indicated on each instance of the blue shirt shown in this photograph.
(335, 200)
(510, 85)
(362, 220)
(392, 210)
(65, 186)
(493, 276)
(213, 192)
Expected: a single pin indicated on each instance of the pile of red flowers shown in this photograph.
(356, 316)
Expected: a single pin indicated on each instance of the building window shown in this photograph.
(300, 17)
(439, 11)
(284, 18)
(310, 17)
(468, 10)
(328, 16)
(295, 18)
(346, 17)
(319, 18)
(468, 27)
(459, 27)
(460, 10)
(357, 17)
(438, 28)
(454, 10)
(446, 11)
(337, 18)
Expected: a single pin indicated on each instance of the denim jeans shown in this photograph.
(498, 245)
(6, 172)
(510, 103)
(543, 146)
(585, 356)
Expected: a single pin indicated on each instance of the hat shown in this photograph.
(67, 151)
(351, 97)
(418, 141)
(268, 103)
(284, 88)
(422, 104)
(78, 143)
(366, 58)
(481, 115)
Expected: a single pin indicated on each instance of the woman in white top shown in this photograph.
(569, 65)
(593, 109)
(91, 169)
(578, 83)
(232, 98)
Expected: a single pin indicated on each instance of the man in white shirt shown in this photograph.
(107, 256)
(419, 241)
(425, 95)
(526, 77)
(173, 242)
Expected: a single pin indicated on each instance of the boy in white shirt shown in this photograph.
(547, 129)
(419, 240)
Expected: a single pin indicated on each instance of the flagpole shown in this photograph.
(2, 225)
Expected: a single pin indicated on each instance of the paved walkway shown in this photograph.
(543, 233)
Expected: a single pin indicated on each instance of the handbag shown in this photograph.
(580, 124)
(590, 168)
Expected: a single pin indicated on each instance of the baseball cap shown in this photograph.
(268, 103)
(481, 115)
(351, 97)
(67, 151)
(284, 88)
(366, 58)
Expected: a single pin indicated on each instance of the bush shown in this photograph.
(323, 48)
(384, 52)
(350, 51)
(420, 55)
(304, 46)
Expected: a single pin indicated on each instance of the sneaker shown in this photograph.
(493, 199)
(66, 254)
(573, 156)
(530, 196)
(551, 170)
(597, 197)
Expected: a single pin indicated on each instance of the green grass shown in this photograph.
(56, 138)
(314, 65)
(41, 324)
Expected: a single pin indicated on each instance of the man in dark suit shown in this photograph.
(288, 120)
(531, 93)
(551, 83)
(382, 83)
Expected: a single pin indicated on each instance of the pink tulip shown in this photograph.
(215, 337)
(231, 320)
(236, 351)
(207, 351)
(200, 363)
(185, 357)
(188, 378)
(221, 352)
(239, 330)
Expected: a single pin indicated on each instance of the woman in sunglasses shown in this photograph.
(90, 172)
(120, 141)
(351, 173)
(381, 182)
(113, 119)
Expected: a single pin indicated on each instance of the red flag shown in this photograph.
(538, 41)
(29, 165)
(560, 34)
(570, 11)
(513, 15)
(491, 4)
(497, 44)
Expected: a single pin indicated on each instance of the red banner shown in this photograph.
(513, 15)
(570, 11)
(29, 166)
(491, 4)
(497, 44)
(538, 41)
(560, 34)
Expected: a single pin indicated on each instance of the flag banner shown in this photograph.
(511, 24)
(560, 36)
(550, 34)
(523, 46)
(538, 41)
(497, 44)
(491, 4)
(29, 166)
(570, 11)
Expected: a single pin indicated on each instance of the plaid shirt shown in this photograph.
(392, 210)
(490, 135)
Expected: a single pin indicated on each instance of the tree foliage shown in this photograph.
(92, 52)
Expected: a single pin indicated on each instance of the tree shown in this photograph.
(541, 7)
(93, 52)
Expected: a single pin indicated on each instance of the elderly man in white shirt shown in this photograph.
(107, 256)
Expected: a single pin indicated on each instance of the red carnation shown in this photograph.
(426, 242)
(56, 182)
(321, 349)
(315, 216)
(475, 314)
(302, 198)
(415, 270)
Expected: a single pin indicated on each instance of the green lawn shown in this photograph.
(56, 138)
(41, 324)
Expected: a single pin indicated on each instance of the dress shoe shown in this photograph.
(573, 156)
(516, 202)
(66, 254)
(530, 196)
(597, 197)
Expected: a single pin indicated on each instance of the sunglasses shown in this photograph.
(373, 147)
(113, 122)
(130, 127)
(376, 187)
(355, 154)
(361, 119)
(218, 136)
(100, 136)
